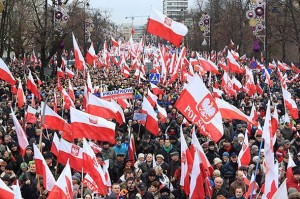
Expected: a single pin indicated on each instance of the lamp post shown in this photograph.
(205, 26)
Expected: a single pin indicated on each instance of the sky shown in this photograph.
(120, 9)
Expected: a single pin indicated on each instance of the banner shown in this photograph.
(126, 93)
(139, 116)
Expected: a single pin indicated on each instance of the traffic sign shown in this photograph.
(154, 78)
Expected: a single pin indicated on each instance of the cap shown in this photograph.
(255, 159)
(23, 165)
(241, 135)
(105, 142)
(145, 144)
(48, 155)
(233, 154)
(76, 177)
(287, 142)
(128, 160)
(120, 155)
(8, 167)
(172, 137)
(211, 143)
(174, 153)
(164, 190)
(142, 187)
(99, 155)
(217, 161)
(151, 172)
(160, 156)
(29, 148)
(226, 154)
(296, 171)
(141, 155)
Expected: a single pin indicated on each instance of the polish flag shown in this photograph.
(20, 96)
(200, 108)
(156, 90)
(151, 121)
(196, 185)
(268, 77)
(92, 167)
(291, 164)
(253, 115)
(251, 184)
(227, 85)
(68, 102)
(290, 103)
(6, 75)
(282, 191)
(14, 90)
(208, 65)
(59, 85)
(63, 62)
(229, 111)
(217, 93)
(55, 145)
(282, 66)
(91, 55)
(249, 86)
(120, 112)
(79, 60)
(104, 109)
(114, 42)
(234, 67)
(90, 126)
(30, 115)
(42, 169)
(54, 102)
(5, 191)
(236, 84)
(63, 188)
(131, 149)
(30, 84)
(32, 100)
(166, 28)
(195, 146)
(258, 88)
(105, 167)
(295, 69)
(123, 103)
(126, 71)
(152, 98)
(38, 80)
(71, 91)
(69, 152)
(89, 182)
(60, 73)
(275, 123)
(244, 156)
(89, 83)
(162, 113)
(95, 147)
(186, 164)
(21, 135)
(69, 73)
(53, 121)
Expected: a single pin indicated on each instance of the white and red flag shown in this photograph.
(63, 187)
(290, 103)
(162, 113)
(227, 85)
(290, 165)
(282, 191)
(91, 55)
(244, 156)
(68, 102)
(234, 67)
(60, 73)
(89, 182)
(152, 98)
(268, 77)
(20, 96)
(217, 92)
(30, 115)
(250, 187)
(70, 73)
(186, 164)
(71, 91)
(114, 42)
(151, 121)
(196, 185)
(79, 60)
(126, 71)
(55, 145)
(274, 123)
(42, 169)
(105, 109)
(21, 135)
(131, 148)
(295, 68)
(30, 84)
(198, 106)
(5, 191)
(166, 28)
(123, 103)
(38, 80)
(92, 127)
(156, 90)
(208, 65)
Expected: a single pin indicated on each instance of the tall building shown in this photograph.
(175, 9)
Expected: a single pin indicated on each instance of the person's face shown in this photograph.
(239, 176)
(239, 193)
(116, 189)
(211, 147)
(106, 146)
(48, 161)
(87, 197)
(218, 183)
(219, 165)
(259, 139)
(225, 158)
(6, 140)
(175, 157)
(153, 188)
(130, 184)
(159, 160)
(149, 158)
(226, 143)
(28, 152)
(241, 139)
(233, 158)
(151, 178)
(167, 143)
(161, 142)
(32, 168)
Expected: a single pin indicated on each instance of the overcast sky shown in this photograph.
(127, 8)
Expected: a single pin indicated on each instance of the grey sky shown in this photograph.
(127, 8)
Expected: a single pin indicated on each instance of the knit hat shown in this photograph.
(23, 165)
(226, 154)
(76, 177)
(217, 161)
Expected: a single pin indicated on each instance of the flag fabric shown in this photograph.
(5, 191)
(197, 105)
(123, 103)
(196, 185)
(289, 169)
(17, 191)
(250, 187)
(217, 93)
(152, 98)
(268, 77)
(290, 103)
(42, 169)
(71, 91)
(68, 102)
(91, 55)
(166, 28)
(55, 122)
(90, 126)
(234, 67)
(89, 182)
(151, 121)
(244, 156)
(229, 111)
(295, 69)
(60, 73)
(131, 149)
(156, 90)
(281, 191)
(70, 73)
(114, 42)
(38, 80)
(208, 65)
(162, 113)
(63, 188)
(21, 135)
(186, 164)
(79, 60)
(227, 85)
(55, 145)
(30, 115)
(20, 96)
(30, 84)
(6, 75)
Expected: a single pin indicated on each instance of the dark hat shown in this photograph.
(287, 142)
(48, 155)
(147, 137)
(29, 147)
(120, 130)
(105, 142)
(211, 143)
(8, 167)
(126, 138)
(174, 153)
(226, 140)
(165, 189)
(144, 144)
(13, 144)
(128, 160)
(99, 155)
(142, 187)
(120, 155)
(243, 168)
(76, 177)
(296, 171)
(172, 137)
(118, 139)
(226, 154)
(6, 177)
(233, 154)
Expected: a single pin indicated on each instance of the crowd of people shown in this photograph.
(155, 172)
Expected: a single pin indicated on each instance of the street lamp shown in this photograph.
(204, 24)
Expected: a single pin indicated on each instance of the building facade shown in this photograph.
(175, 9)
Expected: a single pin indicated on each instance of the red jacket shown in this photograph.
(293, 183)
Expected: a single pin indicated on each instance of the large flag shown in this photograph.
(208, 65)
(162, 113)
(71, 91)
(234, 67)
(63, 188)
(156, 90)
(60, 73)
(68, 102)
(5, 191)
(152, 98)
(196, 185)
(244, 156)
(252, 185)
(166, 28)
(6, 75)
(290, 103)
(289, 169)
(131, 149)
(92, 127)
(17, 191)
(197, 105)
(69, 73)
(151, 121)
(91, 55)
(32, 86)
(30, 115)
(79, 60)
(21, 135)
(281, 191)
(55, 145)
(42, 169)
(20, 96)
